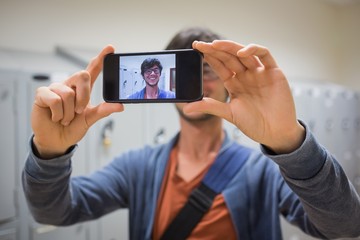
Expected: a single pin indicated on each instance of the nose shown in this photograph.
(207, 87)
(207, 78)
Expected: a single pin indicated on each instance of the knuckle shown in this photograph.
(40, 90)
(54, 86)
(55, 101)
(84, 76)
(68, 93)
(68, 117)
(64, 93)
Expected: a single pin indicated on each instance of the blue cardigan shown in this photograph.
(308, 187)
(162, 94)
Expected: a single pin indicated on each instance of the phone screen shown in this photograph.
(155, 73)
(166, 76)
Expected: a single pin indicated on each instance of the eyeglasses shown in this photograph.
(149, 71)
(208, 73)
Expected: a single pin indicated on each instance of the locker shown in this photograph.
(7, 148)
(344, 111)
(57, 69)
(28, 71)
(355, 144)
(9, 234)
(305, 95)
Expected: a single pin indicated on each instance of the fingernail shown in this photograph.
(65, 123)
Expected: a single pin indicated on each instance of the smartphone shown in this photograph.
(151, 77)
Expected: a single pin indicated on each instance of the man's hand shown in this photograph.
(261, 104)
(62, 112)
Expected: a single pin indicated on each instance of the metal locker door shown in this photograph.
(344, 129)
(324, 121)
(305, 95)
(355, 144)
(7, 148)
(40, 69)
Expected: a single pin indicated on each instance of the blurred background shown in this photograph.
(315, 42)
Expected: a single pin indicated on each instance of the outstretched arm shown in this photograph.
(61, 116)
(261, 105)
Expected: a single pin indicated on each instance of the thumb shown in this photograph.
(102, 110)
(210, 106)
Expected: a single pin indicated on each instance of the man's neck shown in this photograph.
(152, 91)
(201, 138)
(198, 146)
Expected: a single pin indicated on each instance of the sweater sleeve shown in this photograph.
(331, 203)
(56, 198)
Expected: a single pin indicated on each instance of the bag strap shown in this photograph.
(227, 164)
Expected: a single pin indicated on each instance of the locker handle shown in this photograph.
(160, 136)
(105, 133)
(41, 77)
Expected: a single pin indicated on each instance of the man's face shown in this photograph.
(213, 87)
(152, 76)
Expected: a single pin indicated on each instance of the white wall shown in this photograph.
(349, 47)
(305, 36)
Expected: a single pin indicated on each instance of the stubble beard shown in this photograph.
(194, 119)
(199, 118)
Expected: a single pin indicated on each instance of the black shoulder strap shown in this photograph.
(226, 165)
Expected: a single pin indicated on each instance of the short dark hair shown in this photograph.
(185, 38)
(150, 62)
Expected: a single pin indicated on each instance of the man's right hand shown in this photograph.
(62, 112)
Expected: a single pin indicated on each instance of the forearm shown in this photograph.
(46, 188)
(55, 198)
(328, 197)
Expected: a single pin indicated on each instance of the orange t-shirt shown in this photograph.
(216, 224)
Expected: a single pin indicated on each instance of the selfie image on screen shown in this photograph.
(147, 76)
